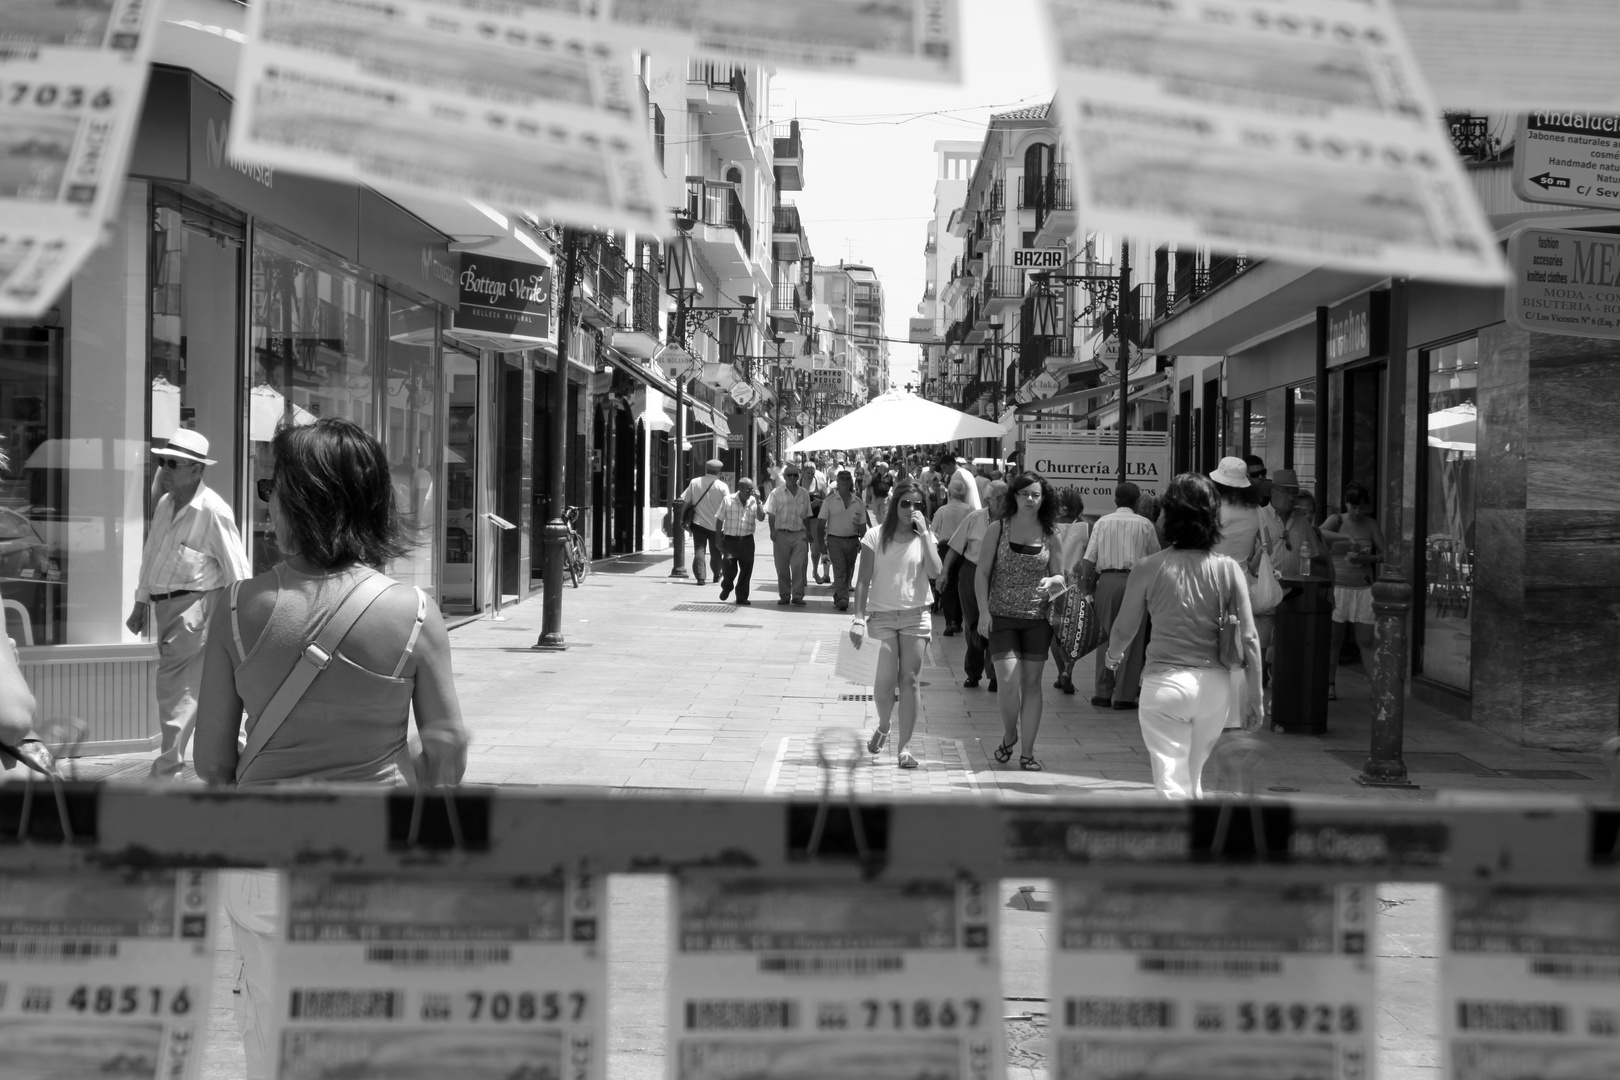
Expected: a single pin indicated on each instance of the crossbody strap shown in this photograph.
(314, 659)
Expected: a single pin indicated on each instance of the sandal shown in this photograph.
(905, 760)
(1333, 692)
(1029, 764)
(875, 743)
(1004, 751)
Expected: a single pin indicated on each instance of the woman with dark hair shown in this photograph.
(1357, 545)
(1018, 577)
(1188, 590)
(962, 562)
(898, 558)
(323, 704)
(878, 494)
(1072, 532)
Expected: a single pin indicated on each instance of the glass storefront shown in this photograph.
(411, 414)
(1452, 374)
(460, 584)
(1302, 434)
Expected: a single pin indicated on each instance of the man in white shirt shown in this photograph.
(1118, 541)
(704, 495)
(192, 552)
(818, 481)
(788, 512)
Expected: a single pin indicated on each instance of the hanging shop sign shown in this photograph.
(1570, 159)
(833, 978)
(105, 973)
(1175, 979)
(384, 976)
(1527, 983)
(1358, 328)
(506, 301)
(1564, 281)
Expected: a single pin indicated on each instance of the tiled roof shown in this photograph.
(1032, 112)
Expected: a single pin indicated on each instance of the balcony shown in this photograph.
(787, 156)
(995, 201)
(786, 302)
(787, 234)
(655, 125)
(1193, 277)
(636, 332)
(1003, 289)
(719, 92)
(722, 227)
(602, 282)
(1055, 219)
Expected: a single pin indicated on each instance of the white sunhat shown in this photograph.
(187, 445)
(1232, 472)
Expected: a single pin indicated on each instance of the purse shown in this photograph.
(1265, 589)
(1074, 620)
(1231, 651)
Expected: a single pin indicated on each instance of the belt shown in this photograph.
(841, 536)
(1113, 571)
(173, 595)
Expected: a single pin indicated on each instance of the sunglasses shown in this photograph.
(264, 488)
(1261, 475)
(910, 504)
(175, 463)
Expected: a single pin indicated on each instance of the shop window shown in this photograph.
(461, 484)
(1445, 649)
(1302, 435)
(410, 415)
(311, 357)
(1254, 429)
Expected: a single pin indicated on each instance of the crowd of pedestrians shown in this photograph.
(1182, 585)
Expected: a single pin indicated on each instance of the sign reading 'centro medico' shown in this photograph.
(1565, 282)
(500, 296)
(1089, 461)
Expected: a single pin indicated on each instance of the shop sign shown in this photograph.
(397, 245)
(1358, 328)
(1564, 281)
(1089, 461)
(1040, 259)
(503, 296)
(1569, 159)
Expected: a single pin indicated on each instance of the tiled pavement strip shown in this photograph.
(649, 699)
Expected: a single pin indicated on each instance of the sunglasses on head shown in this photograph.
(264, 488)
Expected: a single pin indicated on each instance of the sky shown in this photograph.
(869, 158)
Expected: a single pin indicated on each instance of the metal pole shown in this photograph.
(1124, 325)
(1391, 594)
(778, 405)
(1321, 448)
(678, 455)
(556, 530)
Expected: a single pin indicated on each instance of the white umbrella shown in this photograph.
(1454, 428)
(898, 418)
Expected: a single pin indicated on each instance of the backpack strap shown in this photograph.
(314, 659)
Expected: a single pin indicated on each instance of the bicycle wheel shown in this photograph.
(578, 566)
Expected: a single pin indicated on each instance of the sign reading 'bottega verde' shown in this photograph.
(501, 296)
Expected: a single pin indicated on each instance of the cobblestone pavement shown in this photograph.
(654, 695)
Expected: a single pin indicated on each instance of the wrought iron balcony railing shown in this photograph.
(715, 202)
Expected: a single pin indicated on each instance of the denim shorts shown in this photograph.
(908, 622)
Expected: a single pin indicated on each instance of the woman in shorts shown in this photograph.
(1357, 544)
(1020, 573)
(898, 559)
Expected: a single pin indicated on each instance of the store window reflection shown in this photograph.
(1302, 434)
(39, 463)
(1448, 515)
(411, 435)
(311, 356)
(460, 484)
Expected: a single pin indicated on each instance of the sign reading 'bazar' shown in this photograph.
(1564, 281)
(501, 296)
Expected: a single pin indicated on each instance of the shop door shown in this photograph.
(602, 481)
(510, 473)
(626, 484)
(1363, 427)
(461, 459)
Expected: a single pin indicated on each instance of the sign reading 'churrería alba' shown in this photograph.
(1564, 281)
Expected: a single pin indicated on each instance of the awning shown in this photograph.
(647, 375)
(1100, 413)
(709, 417)
(653, 409)
(1039, 409)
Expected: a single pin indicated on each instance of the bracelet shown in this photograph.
(859, 619)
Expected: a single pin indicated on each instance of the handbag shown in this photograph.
(313, 659)
(1265, 588)
(1074, 620)
(1231, 653)
(689, 511)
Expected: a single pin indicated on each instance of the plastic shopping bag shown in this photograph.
(854, 665)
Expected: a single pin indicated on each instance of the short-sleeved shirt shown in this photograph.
(948, 517)
(970, 535)
(738, 516)
(844, 520)
(192, 548)
(706, 492)
(791, 510)
(899, 574)
(1119, 540)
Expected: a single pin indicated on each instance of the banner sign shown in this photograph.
(1564, 281)
(1570, 159)
(833, 978)
(1089, 461)
(1300, 129)
(105, 973)
(502, 296)
(71, 81)
(1528, 984)
(903, 39)
(377, 975)
(1184, 980)
(518, 107)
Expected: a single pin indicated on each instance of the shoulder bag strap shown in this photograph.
(314, 659)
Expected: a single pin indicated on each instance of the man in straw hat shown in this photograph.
(192, 552)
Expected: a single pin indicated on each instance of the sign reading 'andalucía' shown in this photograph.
(1571, 159)
(1564, 282)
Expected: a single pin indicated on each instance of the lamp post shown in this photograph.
(1109, 291)
(556, 530)
(680, 281)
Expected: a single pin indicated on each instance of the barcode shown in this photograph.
(830, 965)
(1210, 965)
(47, 949)
(438, 956)
(1511, 1016)
(345, 1004)
(1119, 1013)
(728, 1015)
(1594, 970)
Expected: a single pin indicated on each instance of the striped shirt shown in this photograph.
(1119, 539)
(737, 517)
(194, 549)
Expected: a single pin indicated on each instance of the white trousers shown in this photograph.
(251, 901)
(1182, 712)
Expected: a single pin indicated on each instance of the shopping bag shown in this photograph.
(1265, 590)
(854, 665)
(1074, 621)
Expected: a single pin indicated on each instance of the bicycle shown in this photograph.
(574, 549)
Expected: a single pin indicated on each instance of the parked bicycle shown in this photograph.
(574, 557)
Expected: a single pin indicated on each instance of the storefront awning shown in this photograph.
(1042, 409)
(645, 374)
(709, 417)
(653, 409)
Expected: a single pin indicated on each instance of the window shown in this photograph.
(1451, 375)
(410, 415)
(1254, 428)
(1302, 435)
